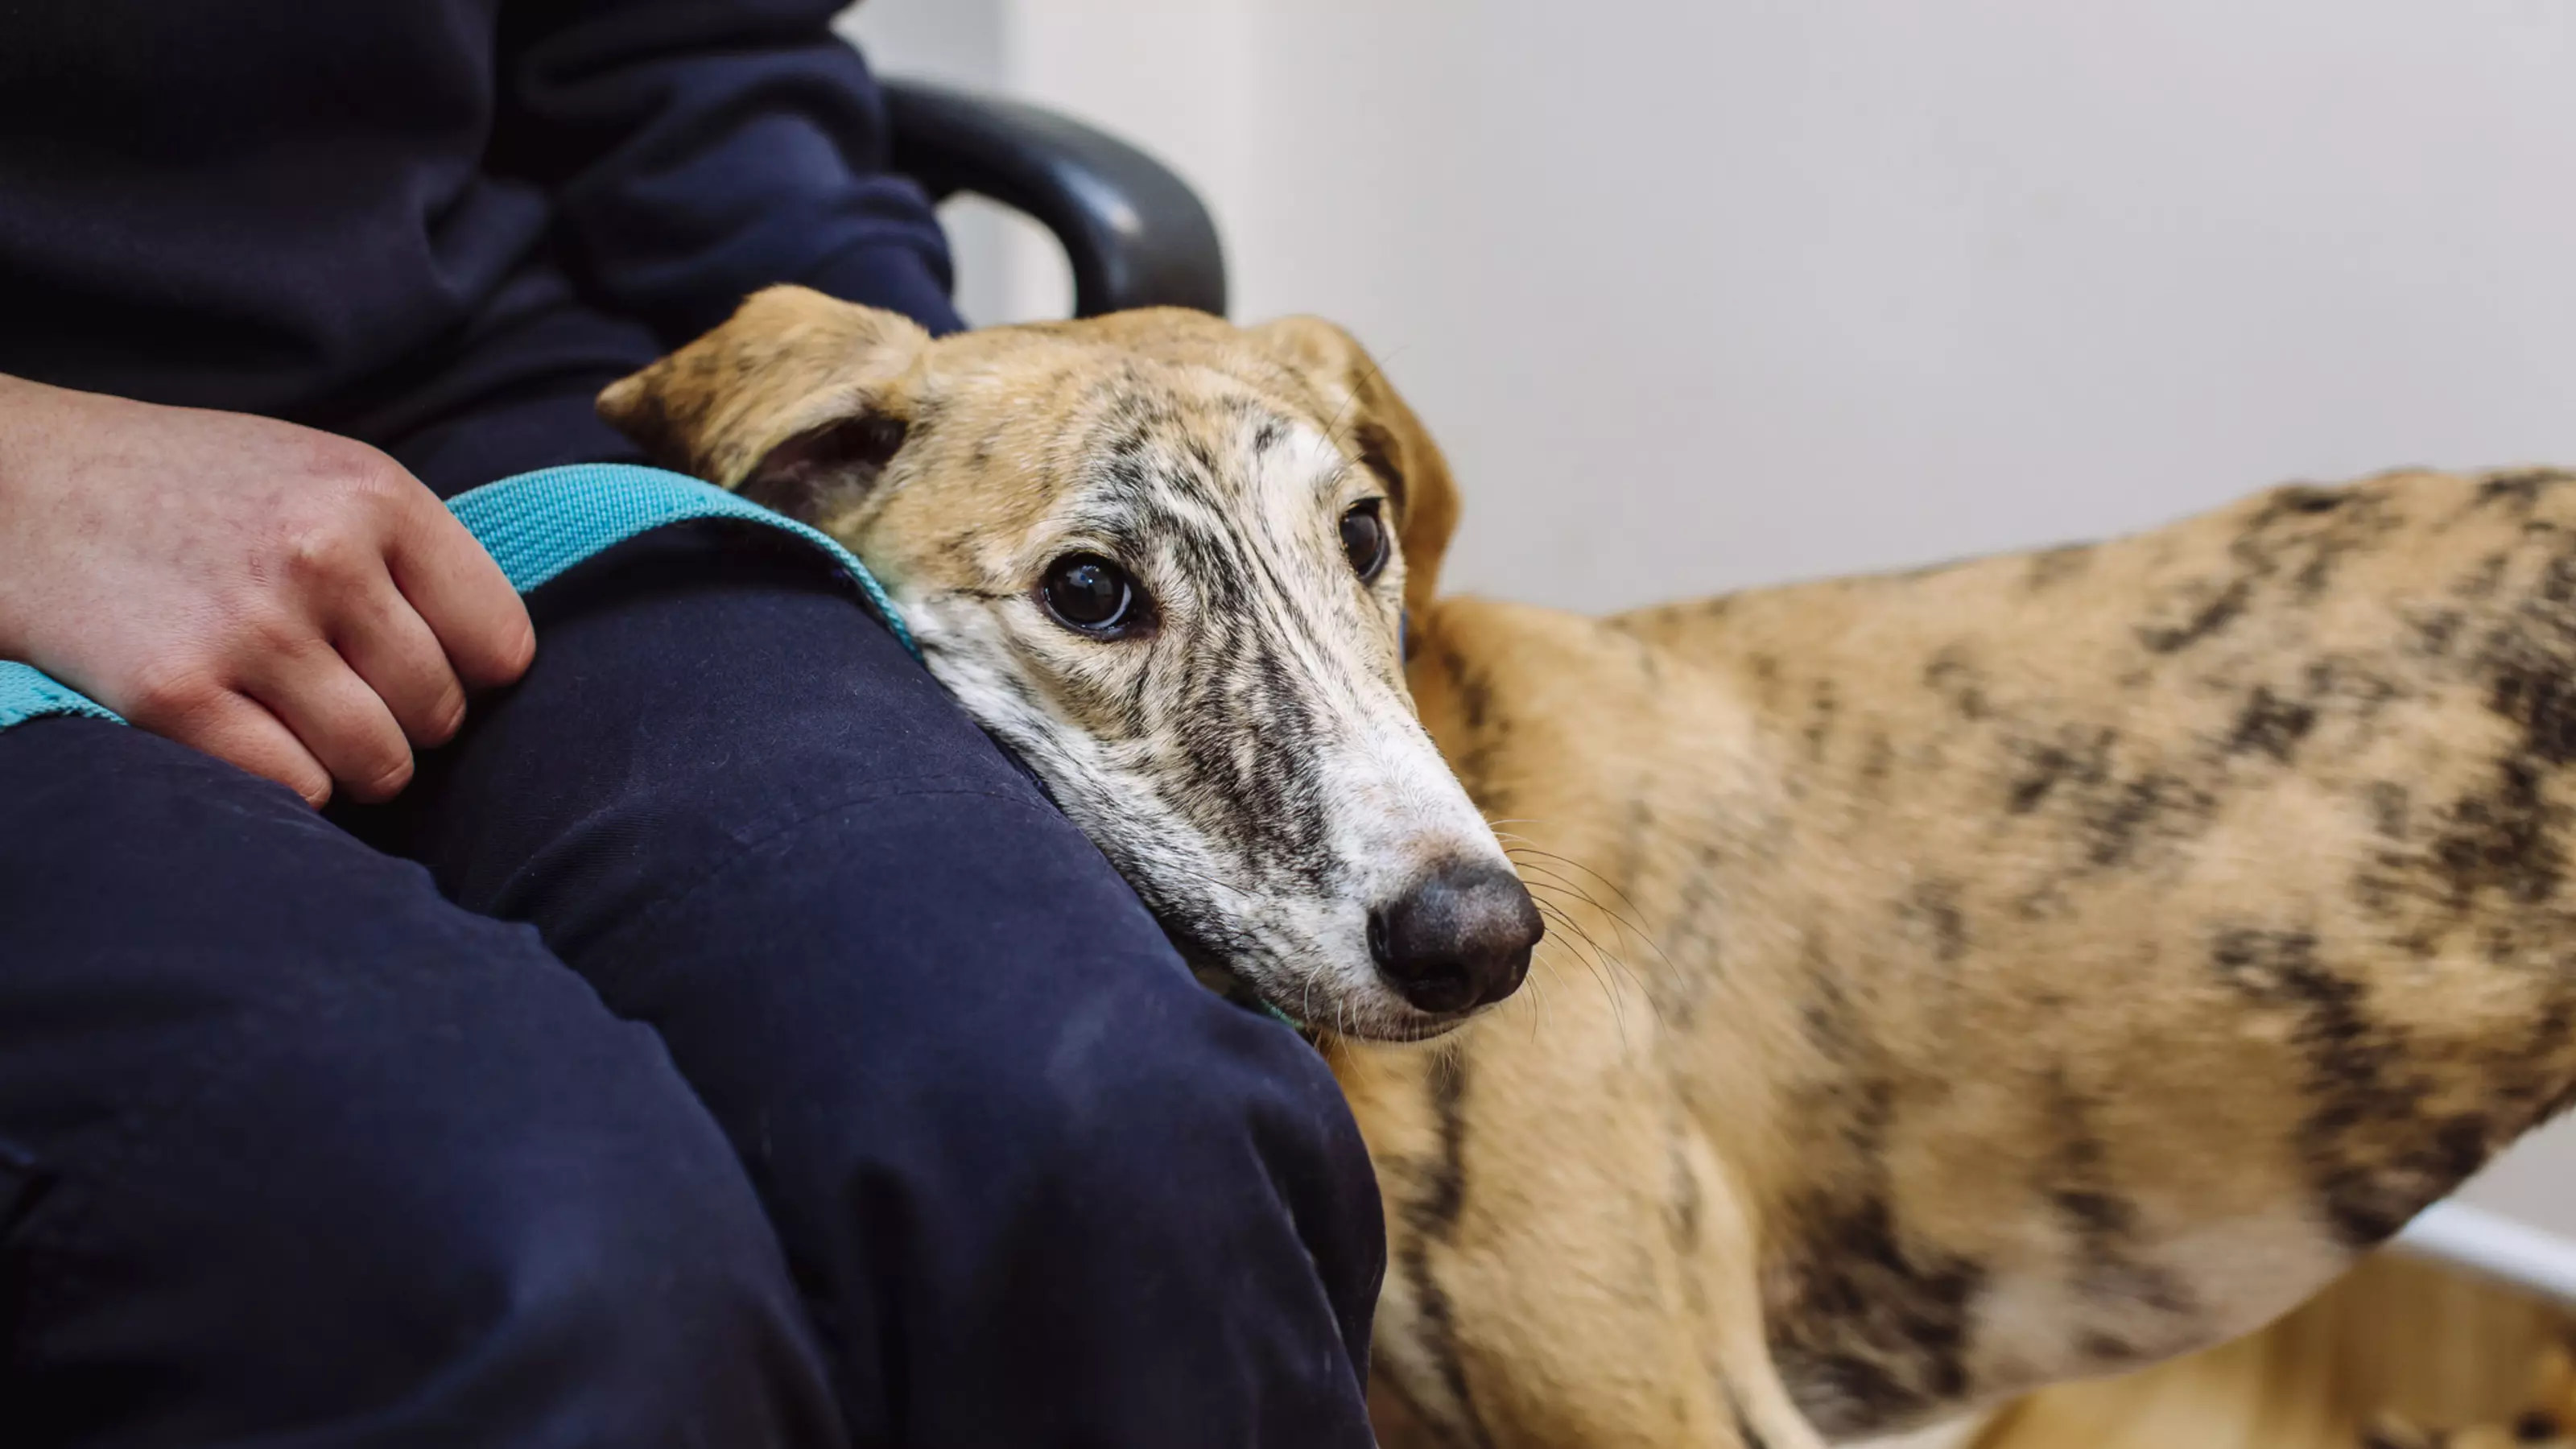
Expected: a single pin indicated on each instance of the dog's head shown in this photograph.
(1166, 560)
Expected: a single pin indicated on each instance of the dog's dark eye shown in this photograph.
(1364, 540)
(1087, 592)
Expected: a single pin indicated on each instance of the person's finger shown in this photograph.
(241, 732)
(392, 648)
(460, 593)
(315, 693)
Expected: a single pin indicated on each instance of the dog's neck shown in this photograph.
(1702, 924)
(1669, 1000)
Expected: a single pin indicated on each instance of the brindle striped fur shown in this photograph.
(1959, 980)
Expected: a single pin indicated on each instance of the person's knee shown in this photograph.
(582, 1197)
(1169, 1132)
(1203, 1082)
(499, 1208)
(395, 1199)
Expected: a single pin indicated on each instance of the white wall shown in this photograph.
(1701, 293)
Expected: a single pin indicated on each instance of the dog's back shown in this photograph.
(2008, 971)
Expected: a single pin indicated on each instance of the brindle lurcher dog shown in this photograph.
(1957, 981)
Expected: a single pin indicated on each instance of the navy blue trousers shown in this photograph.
(721, 1044)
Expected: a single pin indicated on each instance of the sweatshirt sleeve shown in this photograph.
(699, 150)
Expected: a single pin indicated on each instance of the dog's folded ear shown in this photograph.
(797, 401)
(1388, 439)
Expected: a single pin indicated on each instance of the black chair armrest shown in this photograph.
(1136, 234)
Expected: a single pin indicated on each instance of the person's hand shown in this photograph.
(282, 598)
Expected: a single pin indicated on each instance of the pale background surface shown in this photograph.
(1705, 293)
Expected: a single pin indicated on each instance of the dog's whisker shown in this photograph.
(1539, 878)
(1621, 925)
(1374, 371)
(1532, 847)
(1604, 963)
(1583, 898)
(1627, 901)
(1573, 941)
(1540, 1006)
(1610, 959)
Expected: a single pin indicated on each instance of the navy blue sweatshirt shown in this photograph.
(410, 219)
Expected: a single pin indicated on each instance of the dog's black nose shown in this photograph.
(1461, 937)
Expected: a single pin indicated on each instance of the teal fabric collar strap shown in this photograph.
(536, 525)
(26, 694)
